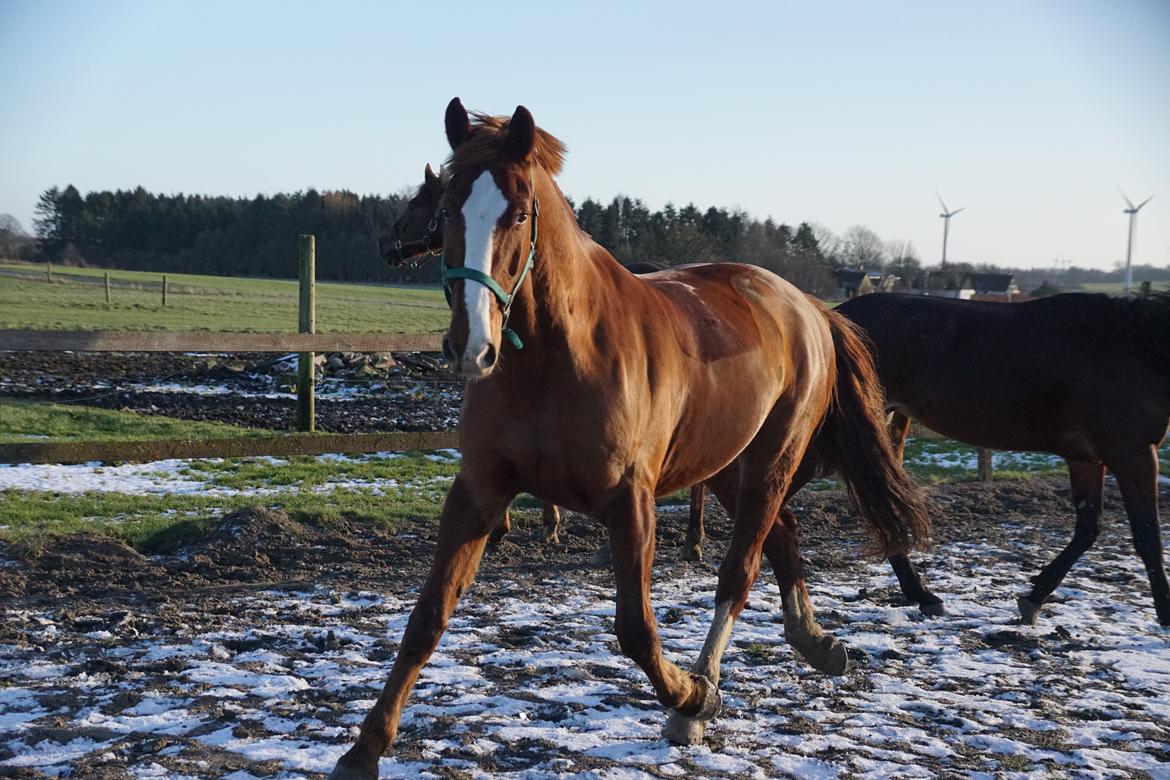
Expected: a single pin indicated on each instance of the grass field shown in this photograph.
(29, 421)
(74, 300)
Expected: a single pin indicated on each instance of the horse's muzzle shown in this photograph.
(471, 366)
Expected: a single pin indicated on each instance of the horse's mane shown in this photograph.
(488, 135)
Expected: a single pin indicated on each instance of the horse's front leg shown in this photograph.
(468, 516)
(631, 519)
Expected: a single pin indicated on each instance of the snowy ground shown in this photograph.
(273, 684)
(179, 477)
(176, 476)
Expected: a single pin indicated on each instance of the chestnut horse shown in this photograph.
(1086, 377)
(417, 233)
(599, 390)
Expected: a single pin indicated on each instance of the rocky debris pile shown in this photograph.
(356, 367)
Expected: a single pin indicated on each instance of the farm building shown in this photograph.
(852, 282)
(984, 286)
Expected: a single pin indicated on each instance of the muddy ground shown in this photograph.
(207, 662)
(415, 394)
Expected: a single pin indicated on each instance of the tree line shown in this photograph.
(140, 230)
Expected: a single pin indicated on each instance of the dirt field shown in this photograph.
(256, 653)
(241, 389)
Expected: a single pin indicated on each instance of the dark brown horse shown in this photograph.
(418, 233)
(1086, 377)
(599, 390)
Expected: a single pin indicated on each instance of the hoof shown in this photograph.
(827, 656)
(693, 554)
(836, 659)
(932, 609)
(344, 771)
(712, 702)
(681, 730)
(1029, 610)
(552, 539)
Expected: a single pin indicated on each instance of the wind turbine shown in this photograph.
(946, 217)
(1132, 211)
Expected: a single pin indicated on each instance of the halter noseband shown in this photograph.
(504, 298)
(425, 242)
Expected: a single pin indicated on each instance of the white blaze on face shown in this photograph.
(481, 211)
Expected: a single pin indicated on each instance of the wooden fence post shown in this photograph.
(306, 411)
(107, 275)
(165, 285)
(984, 465)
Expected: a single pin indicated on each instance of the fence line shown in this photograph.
(213, 341)
(304, 343)
(239, 447)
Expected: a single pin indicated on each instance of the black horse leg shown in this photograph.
(913, 588)
(1088, 479)
(694, 551)
(503, 528)
(1137, 477)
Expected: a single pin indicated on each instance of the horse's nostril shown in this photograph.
(449, 351)
(488, 356)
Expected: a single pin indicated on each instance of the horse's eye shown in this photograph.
(521, 218)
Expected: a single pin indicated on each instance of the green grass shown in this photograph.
(161, 523)
(217, 303)
(399, 471)
(31, 421)
(403, 487)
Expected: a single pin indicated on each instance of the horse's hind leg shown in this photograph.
(910, 581)
(694, 551)
(913, 588)
(1137, 477)
(1087, 479)
(551, 516)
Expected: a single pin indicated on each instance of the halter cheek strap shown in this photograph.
(505, 298)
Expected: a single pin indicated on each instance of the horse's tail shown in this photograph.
(854, 442)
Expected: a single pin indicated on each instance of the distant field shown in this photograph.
(76, 300)
(1117, 288)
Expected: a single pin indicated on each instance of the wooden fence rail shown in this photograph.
(211, 341)
(239, 447)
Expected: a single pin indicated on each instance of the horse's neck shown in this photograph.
(570, 281)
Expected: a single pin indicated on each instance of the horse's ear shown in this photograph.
(430, 178)
(521, 134)
(458, 125)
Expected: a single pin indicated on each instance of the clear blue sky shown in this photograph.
(1028, 113)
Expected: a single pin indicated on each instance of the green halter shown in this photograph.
(504, 298)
